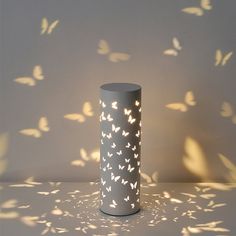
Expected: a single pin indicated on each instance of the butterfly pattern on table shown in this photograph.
(46, 27)
(227, 111)
(37, 132)
(87, 111)
(221, 60)
(105, 49)
(176, 48)
(37, 75)
(189, 100)
(205, 5)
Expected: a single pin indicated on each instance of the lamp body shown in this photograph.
(120, 148)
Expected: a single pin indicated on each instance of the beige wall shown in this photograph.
(193, 142)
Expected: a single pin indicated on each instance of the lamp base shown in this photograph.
(120, 215)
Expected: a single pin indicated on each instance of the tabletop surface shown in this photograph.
(53, 208)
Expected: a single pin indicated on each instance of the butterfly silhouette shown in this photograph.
(173, 51)
(104, 49)
(87, 111)
(128, 145)
(138, 133)
(133, 185)
(126, 198)
(37, 132)
(230, 166)
(115, 178)
(119, 153)
(124, 133)
(130, 169)
(149, 179)
(103, 181)
(85, 156)
(131, 120)
(228, 111)
(188, 101)
(109, 154)
(37, 74)
(47, 28)
(127, 112)
(114, 105)
(199, 11)
(103, 195)
(109, 118)
(114, 204)
(113, 145)
(115, 129)
(108, 189)
(93, 155)
(137, 103)
(78, 163)
(220, 59)
(121, 167)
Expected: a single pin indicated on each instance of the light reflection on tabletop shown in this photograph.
(34, 208)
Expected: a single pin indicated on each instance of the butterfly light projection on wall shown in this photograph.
(37, 75)
(105, 49)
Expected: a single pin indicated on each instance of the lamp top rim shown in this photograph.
(120, 87)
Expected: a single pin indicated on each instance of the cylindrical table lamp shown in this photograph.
(120, 132)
